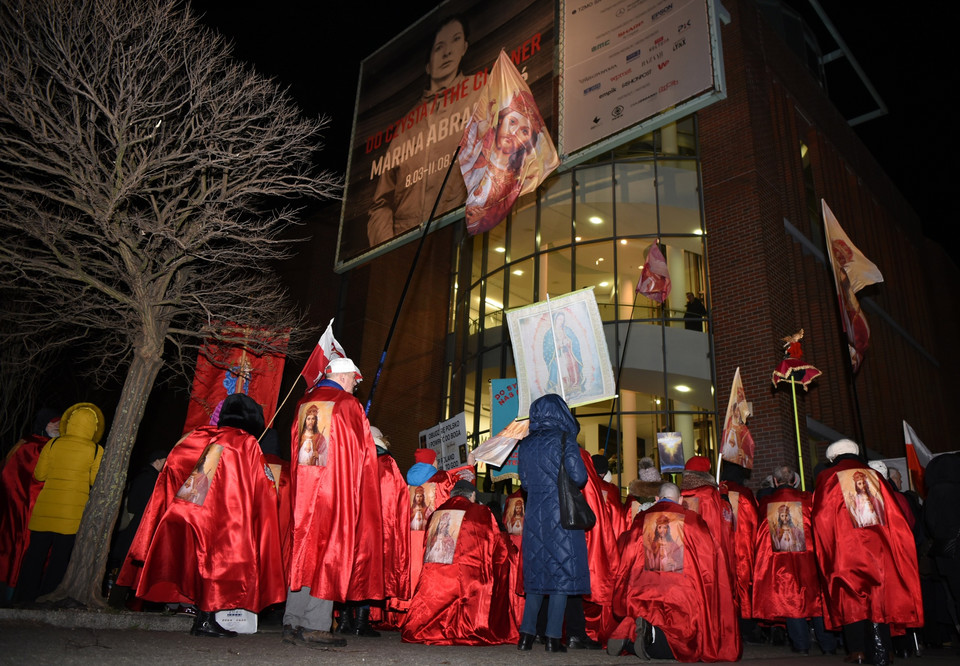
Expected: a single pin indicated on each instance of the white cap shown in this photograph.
(342, 365)
(841, 447)
(880, 467)
(378, 438)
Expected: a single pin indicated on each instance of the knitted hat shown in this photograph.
(600, 463)
(841, 447)
(428, 456)
(697, 464)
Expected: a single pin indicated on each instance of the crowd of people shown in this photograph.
(348, 546)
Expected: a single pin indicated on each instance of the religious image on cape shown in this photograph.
(422, 500)
(312, 432)
(195, 488)
(663, 543)
(785, 520)
(861, 492)
(441, 541)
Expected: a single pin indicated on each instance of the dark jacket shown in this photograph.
(554, 559)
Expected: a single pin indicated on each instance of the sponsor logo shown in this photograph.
(657, 43)
(638, 77)
(661, 65)
(660, 12)
(599, 46)
(627, 31)
(609, 92)
(667, 86)
(651, 59)
(680, 43)
(595, 86)
(644, 99)
(582, 7)
(683, 27)
(596, 74)
(620, 75)
(616, 112)
(634, 55)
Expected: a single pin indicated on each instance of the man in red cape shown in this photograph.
(338, 530)
(218, 549)
(681, 602)
(463, 595)
(786, 584)
(744, 506)
(866, 554)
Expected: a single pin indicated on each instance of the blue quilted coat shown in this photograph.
(554, 559)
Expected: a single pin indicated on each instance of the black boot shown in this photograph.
(346, 624)
(555, 645)
(526, 642)
(205, 624)
(362, 627)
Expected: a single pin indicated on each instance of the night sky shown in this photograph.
(315, 49)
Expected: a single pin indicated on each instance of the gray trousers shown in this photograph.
(308, 612)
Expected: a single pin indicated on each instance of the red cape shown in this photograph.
(338, 529)
(281, 476)
(463, 598)
(18, 493)
(867, 573)
(221, 554)
(690, 606)
(395, 498)
(602, 554)
(744, 506)
(786, 583)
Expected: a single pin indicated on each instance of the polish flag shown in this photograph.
(918, 457)
(326, 350)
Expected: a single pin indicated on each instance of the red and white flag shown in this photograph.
(326, 350)
(506, 150)
(737, 443)
(655, 277)
(918, 457)
(852, 271)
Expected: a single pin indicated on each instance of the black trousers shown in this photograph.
(44, 565)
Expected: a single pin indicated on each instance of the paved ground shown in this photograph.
(144, 639)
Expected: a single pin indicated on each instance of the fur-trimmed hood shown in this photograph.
(693, 480)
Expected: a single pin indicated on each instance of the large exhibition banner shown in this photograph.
(414, 98)
(626, 61)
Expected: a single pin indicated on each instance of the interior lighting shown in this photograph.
(681, 388)
(596, 220)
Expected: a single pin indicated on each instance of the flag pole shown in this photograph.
(280, 406)
(796, 423)
(406, 286)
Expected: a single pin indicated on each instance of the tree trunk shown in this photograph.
(84, 576)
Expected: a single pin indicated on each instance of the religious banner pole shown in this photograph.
(796, 423)
(794, 370)
(406, 286)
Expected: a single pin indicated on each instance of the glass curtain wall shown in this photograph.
(592, 226)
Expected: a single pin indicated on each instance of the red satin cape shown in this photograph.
(338, 529)
(692, 606)
(744, 506)
(466, 602)
(18, 493)
(786, 584)
(222, 554)
(867, 573)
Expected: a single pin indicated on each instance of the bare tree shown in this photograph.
(146, 181)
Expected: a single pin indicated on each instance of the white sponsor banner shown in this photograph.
(626, 61)
(449, 440)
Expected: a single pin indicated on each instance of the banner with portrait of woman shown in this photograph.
(559, 347)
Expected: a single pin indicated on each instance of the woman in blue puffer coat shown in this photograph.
(554, 558)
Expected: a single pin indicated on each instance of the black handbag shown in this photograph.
(575, 513)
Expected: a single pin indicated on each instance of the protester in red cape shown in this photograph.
(786, 585)
(700, 493)
(674, 611)
(586, 628)
(18, 493)
(67, 466)
(744, 507)
(406, 192)
(463, 595)
(515, 511)
(866, 555)
(338, 528)
(395, 511)
(218, 549)
(555, 561)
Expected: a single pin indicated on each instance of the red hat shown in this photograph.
(428, 456)
(697, 464)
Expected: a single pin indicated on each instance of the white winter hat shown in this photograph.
(841, 447)
(880, 467)
(378, 438)
(339, 365)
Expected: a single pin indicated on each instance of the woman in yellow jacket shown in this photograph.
(67, 465)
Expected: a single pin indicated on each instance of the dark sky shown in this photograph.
(315, 48)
